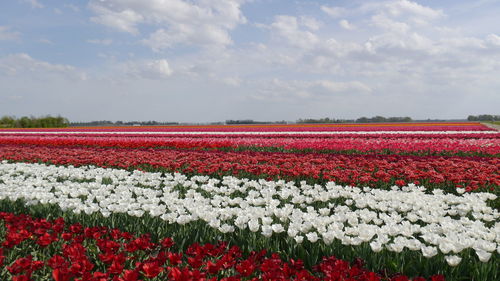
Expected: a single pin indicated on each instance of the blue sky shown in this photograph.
(213, 60)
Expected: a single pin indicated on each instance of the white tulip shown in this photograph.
(417, 220)
(429, 251)
(312, 236)
(453, 260)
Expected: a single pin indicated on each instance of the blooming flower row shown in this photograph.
(323, 135)
(318, 132)
(440, 126)
(395, 220)
(372, 170)
(73, 252)
(484, 143)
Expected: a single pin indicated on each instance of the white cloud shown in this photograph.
(7, 35)
(387, 43)
(463, 42)
(339, 48)
(58, 11)
(299, 90)
(23, 65)
(334, 12)
(338, 87)
(125, 20)
(346, 25)
(400, 7)
(178, 22)
(206, 35)
(232, 81)
(399, 15)
(384, 22)
(46, 41)
(72, 7)
(147, 69)
(33, 3)
(310, 22)
(105, 42)
(493, 39)
(288, 27)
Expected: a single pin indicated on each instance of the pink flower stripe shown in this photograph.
(442, 126)
(482, 143)
(358, 134)
(361, 170)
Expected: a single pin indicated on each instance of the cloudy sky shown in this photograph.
(213, 60)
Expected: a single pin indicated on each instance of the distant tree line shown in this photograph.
(325, 120)
(121, 123)
(33, 122)
(250, 121)
(381, 119)
(376, 119)
(484, 117)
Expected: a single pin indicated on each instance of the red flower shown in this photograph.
(76, 228)
(212, 267)
(129, 275)
(195, 262)
(66, 236)
(400, 278)
(60, 274)
(36, 265)
(167, 242)
(185, 274)
(21, 278)
(56, 262)
(2, 257)
(400, 182)
(437, 277)
(151, 269)
(246, 268)
(174, 259)
(100, 276)
(20, 265)
(46, 239)
(117, 266)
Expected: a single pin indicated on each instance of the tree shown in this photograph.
(362, 120)
(33, 122)
(7, 122)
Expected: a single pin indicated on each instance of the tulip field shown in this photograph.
(388, 201)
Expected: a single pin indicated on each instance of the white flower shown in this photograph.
(395, 247)
(105, 213)
(446, 247)
(453, 260)
(376, 246)
(226, 228)
(299, 239)
(312, 236)
(277, 228)
(267, 231)
(429, 251)
(483, 255)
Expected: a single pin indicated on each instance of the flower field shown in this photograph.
(416, 201)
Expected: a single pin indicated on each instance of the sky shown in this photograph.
(266, 60)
